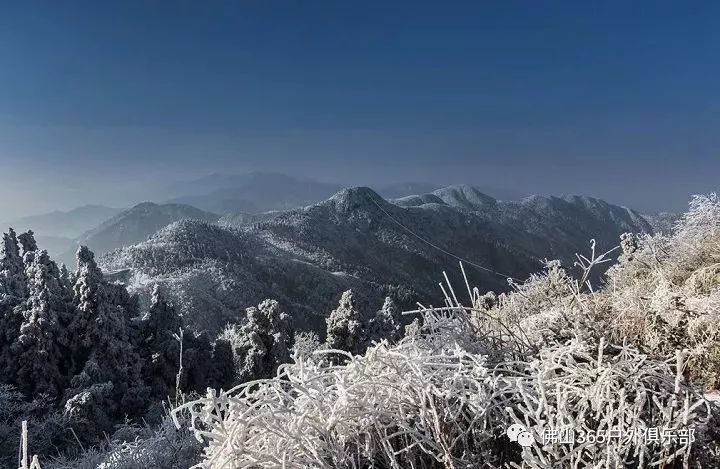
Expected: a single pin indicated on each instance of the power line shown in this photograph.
(431, 244)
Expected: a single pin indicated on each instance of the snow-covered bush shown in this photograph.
(430, 403)
(665, 291)
(305, 344)
(48, 428)
(135, 446)
(395, 406)
(639, 409)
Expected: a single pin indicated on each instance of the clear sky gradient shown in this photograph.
(102, 101)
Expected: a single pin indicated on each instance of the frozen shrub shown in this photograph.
(613, 392)
(427, 403)
(134, 446)
(306, 343)
(665, 292)
(48, 428)
(393, 407)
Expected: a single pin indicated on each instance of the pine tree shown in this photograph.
(197, 354)
(162, 319)
(13, 282)
(87, 297)
(344, 326)
(159, 347)
(385, 325)
(102, 343)
(161, 332)
(36, 351)
(27, 241)
(222, 372)
(281, 330)
(263, 343)
(13, 291)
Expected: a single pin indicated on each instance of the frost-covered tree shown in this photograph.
(102, 345)
(385, 325)
(197, 356)
(306, 342)
(262, 343)
(344, 325)
(87, 298)
(27, 241)
(203, 363)
(12, 271)
(37, 353)
(222, 371)
(159, 345)
(13, 290)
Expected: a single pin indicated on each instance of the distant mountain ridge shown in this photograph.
(64, 224)
(259, 192)
(135, 225)
(252, 193)
(307, 256)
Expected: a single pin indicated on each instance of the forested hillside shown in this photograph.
(356, 239)
(135, 225)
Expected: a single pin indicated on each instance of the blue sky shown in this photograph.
(614, 99)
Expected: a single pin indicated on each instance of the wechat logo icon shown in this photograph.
(519, 434)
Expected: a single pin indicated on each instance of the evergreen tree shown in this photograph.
(102, 344)
(162, 331)
(36, 352)
(159, 347)
(87, 298)
(13, 291)
(222, 373)
(263, 343)
(197, 353)
(13, 282)
(27, 241)
(385, 325)
(344, 326)
(281, 331)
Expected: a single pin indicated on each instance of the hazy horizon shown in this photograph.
(160, 191)
(105, 103)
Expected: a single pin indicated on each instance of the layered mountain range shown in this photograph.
(306, 257)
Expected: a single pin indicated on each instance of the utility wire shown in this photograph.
(429, 243)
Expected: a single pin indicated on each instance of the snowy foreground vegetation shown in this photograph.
(639, 353)
(552, 354)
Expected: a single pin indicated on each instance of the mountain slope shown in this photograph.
(214, 273)
(306, 257)
(136, 225)
(663, 222)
